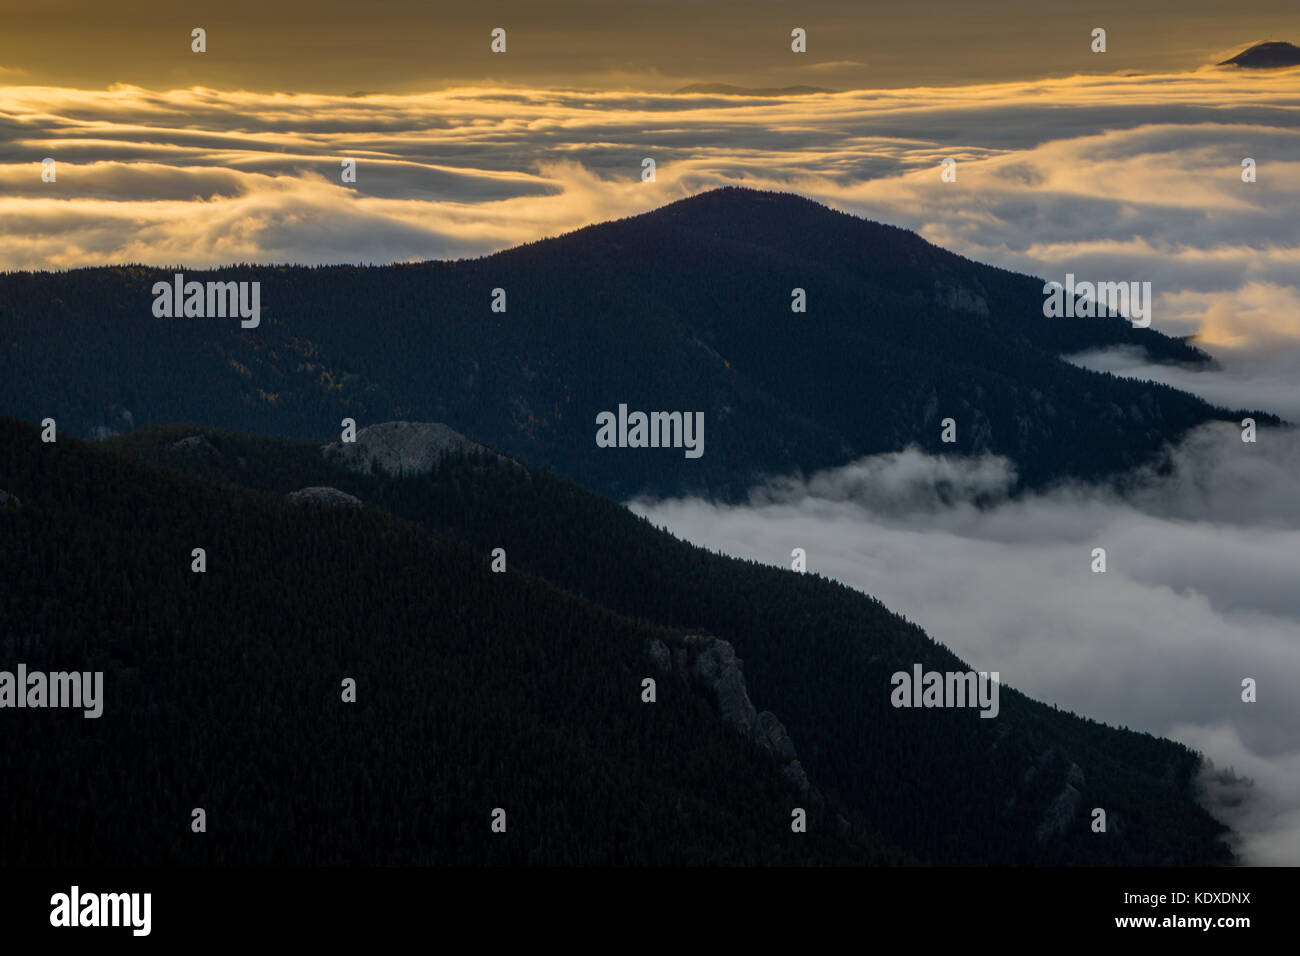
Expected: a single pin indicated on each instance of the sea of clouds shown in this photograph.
(1109, 177)
(1118, 177)
(1202, 589)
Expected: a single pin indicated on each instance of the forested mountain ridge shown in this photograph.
(224, 691)
(944, 785)
(687, 308)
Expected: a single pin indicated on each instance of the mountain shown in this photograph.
(224, 690)
(944, 785)
(1266, 56)
(684, 309)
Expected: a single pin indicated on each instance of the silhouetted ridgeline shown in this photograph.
(687, 308)
(1270, 55)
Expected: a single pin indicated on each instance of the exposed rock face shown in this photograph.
(9, 501)
(1074, 776)
(197, 445)
(712, 665)
(399, 448)
(658, 652)
(324, 495)
(961, 299)
(1060, 812)
(776, 738)
(118, 421)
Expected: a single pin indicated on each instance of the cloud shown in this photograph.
(901, 482)
(1113, 177)
(832, 66)
(1254, 333)
(1126, 175)
(1201, 588)
(1110, 177)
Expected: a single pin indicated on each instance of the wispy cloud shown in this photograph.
(1119, 177)
(1201, 589)
(1101, 142)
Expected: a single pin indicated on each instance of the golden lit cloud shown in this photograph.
(1134, 176)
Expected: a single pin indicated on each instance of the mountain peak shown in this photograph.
(726, 199)
(1271, 55)
(780, 220)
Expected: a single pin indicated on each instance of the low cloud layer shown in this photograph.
(1201, 590)
(1108, 177)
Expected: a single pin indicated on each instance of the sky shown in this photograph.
(1117, 166)
(335, 46)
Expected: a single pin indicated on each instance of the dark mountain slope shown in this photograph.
(222, 691)
(1272, 55)
(686, 308)
(946, 785)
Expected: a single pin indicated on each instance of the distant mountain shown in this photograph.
(685, 309)
(1266, 56)
(224, 690)
(726, 89)
(944, 785)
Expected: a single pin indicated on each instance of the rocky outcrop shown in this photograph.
(118, 421)
(324, 495)
(196, 446)
(400, 449)
(960, 299)
(658, 652)
(1060, 812)
(711, 665)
